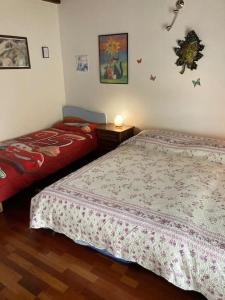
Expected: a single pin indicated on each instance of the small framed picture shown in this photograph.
(82, 63)
(14, 53)
(45, 52)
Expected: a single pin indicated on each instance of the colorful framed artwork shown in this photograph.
(14, 53)
(113, 58)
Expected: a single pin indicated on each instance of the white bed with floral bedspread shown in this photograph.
(157, 200)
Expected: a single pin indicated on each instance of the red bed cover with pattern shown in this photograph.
(34, 156)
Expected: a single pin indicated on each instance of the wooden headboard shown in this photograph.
(87, 115)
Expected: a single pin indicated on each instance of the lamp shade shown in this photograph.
(118, 121)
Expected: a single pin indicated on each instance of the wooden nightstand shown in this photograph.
(109, 136)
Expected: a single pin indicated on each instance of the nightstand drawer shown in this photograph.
(107, 145)
(126, 135)
(108, 136)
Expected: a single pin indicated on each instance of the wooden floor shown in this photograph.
(40, 265)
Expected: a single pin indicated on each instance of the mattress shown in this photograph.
(157, 200)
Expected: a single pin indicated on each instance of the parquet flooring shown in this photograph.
(41, 265)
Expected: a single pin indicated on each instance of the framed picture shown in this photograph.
(113, 58)
(82, 63)
(14, 53)
(45, 52)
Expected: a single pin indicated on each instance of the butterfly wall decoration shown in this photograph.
(196, 82)
(139, 61)
(152, 78)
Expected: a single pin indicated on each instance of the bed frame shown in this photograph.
(87, 115)
(78, 112)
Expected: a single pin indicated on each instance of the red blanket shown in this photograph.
(34, 156)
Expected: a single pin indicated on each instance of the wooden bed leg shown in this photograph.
(1, 207)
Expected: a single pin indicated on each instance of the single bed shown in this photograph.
(32, 157)
(157, 200)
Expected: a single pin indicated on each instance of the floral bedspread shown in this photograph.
(157, 200)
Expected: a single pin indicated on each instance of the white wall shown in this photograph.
(170, 102)
(31, 99)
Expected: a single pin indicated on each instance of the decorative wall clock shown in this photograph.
(189, 52)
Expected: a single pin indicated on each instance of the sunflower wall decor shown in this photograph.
(113, 58)
(189, 52)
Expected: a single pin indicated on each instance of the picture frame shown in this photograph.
(82, 63)
(113, 58)
(45, 52)
(14, 52)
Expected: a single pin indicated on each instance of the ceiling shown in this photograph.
(53, 1)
